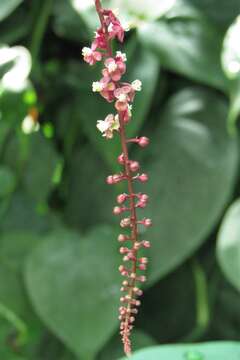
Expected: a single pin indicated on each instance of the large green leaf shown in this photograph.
(192, 163)
(7, 181)
(154, 316)
(84, 196)
(77, 20)
(222, 12)
(208, 351)
(7, 7)
(78, 296)
(228, 246)
(14, 303)
(188, 46)
(39, 167)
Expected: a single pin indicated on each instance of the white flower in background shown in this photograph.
(107, 126)
(137, 85)
(15, 79)
(29, 125)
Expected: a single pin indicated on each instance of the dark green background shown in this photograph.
(59, 284)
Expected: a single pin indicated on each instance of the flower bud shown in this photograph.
(143, 260)
(121, 159)
(134, 166)
(144, 197)
(147, 222)
(122, 237)
(117, 210)
(121, 198)
(125, 222)
(123, 250)
(143, 141)
(146, 244)
(143, 177)
(142, 267)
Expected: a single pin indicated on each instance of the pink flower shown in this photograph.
(108, 89)
(100, 40)
(115, 68)
(115, 29)
(91, 56)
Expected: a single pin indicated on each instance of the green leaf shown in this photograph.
(7, 7)
(21, 21)
(84, 196)
(68, 23)
(192, 164)
(77, 20)
(228, 245)
(206, 351)
(14, 303)
(219, 11)
(231, 66)
(154, 315)
(22, 214)
(39, 167)
(187, 46)
(78, 296)
(7, 181)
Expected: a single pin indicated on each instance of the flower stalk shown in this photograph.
(112, 89)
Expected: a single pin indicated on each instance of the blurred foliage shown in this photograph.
(59, 284)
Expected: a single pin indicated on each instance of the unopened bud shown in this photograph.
(143, 141)
(134, 166)
(117, 210)
(143, 177)
(121, 198)
(121, 159)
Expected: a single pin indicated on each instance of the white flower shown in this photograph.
(102, 125)
(137, 85)
(108, 125)
(122, 97)
(97, 86)
(86, 51)
(112, 66)
(126, 26)
(29, 125)
(110, 27)
(116, 12)
(122, 56)
(129, 110)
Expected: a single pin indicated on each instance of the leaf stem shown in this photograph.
(40, 28)
(202, 304)
(13, 319)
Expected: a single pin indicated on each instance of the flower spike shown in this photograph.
(122, 94)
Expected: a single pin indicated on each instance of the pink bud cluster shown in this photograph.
(122, 94)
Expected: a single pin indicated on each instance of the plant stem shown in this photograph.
(134, 232)
(40, 28)
(16, 322)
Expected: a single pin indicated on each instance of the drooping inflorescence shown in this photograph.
(122, 94)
